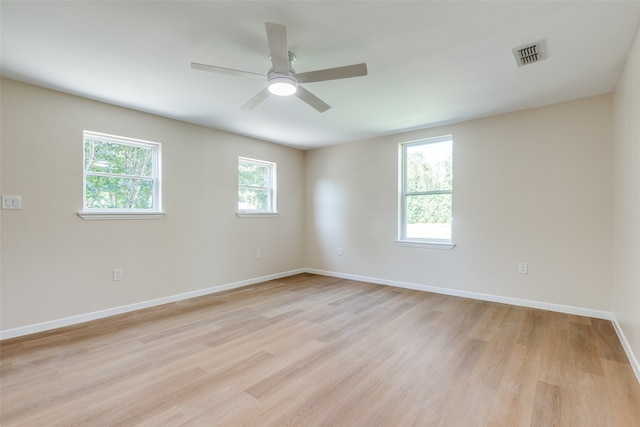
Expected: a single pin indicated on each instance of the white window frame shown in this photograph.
(105, 214)
(271, 189)
(403, 240)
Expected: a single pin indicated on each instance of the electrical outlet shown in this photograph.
(117, 274)
(258, 254)
(523, 268)
(340, 252)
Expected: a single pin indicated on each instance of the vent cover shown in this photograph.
(530, 53)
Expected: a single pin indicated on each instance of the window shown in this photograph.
(256, 187)
(426, 192)
(121, 175)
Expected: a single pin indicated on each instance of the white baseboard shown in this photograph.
(633, 360)
(474, 295)
(86, 317)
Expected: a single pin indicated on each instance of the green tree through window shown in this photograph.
(120, 174)
(256, 186)
(427, 184)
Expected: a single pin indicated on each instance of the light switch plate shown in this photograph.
(11, 202)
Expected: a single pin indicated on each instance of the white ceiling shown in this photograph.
(429, 63)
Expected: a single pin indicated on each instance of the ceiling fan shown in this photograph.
(282, 80)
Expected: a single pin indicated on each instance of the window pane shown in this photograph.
(253, 199)
(429, 216)
(110, 157)
(428, 167)
(118, 193)
(254, 174)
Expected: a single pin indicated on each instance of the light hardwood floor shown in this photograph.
(311, 350)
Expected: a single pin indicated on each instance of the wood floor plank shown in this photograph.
(311, 350)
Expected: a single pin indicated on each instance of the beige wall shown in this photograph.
(626, 201)
(532, 186)
(55, 265)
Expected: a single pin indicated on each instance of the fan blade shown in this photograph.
(345, 72)
(312, 100)
(278, 48)
(223, 70)
(256, 100)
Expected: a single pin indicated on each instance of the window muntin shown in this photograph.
(256, 186)
(426, 186)
(121, 175)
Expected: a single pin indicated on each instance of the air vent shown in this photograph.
(529, 53)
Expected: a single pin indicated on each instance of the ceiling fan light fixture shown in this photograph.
(282, 79)
(282, 85)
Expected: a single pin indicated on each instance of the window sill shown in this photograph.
(445, 245)
(257, 214)
(107, 216)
